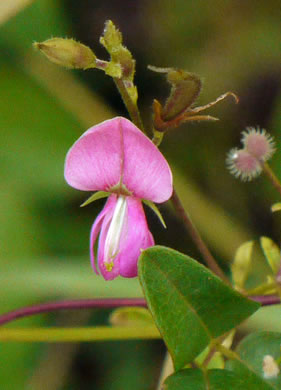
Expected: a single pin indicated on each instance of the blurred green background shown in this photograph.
(44, 234)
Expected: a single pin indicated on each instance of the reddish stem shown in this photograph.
(266, 300)
(69, 305)
(100, 303)
(196, 237)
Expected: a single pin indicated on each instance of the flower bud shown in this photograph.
(243, 165)
(112, 37)
(248, 162)
(185, 89)
(259, 143)
(113, 42)
(67, 52)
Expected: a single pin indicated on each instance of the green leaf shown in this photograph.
(215, 379)
(241, 265)
(252, 351)
(131, 316)
(188, 379)
(272, 253)
(190, 305)
(224, 380)
(249, 377)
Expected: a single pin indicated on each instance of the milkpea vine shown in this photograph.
(195, 309)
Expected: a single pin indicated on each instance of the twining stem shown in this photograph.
(194, 234)
(99, 303)
(70, 305)
(266, 300)
(130, 105)
(272, 177)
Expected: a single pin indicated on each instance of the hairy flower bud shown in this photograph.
(258, 142)
(112, 41)
(243, 165)
(185, 89)
(67, 52)
(248, 162)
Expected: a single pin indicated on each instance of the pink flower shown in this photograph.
(117, 158)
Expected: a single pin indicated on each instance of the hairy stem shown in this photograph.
(272, 177)
(130, 105)
(194, 234)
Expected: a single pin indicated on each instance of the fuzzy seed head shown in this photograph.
(243, 165)
(258, 143)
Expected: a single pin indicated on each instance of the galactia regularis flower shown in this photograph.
(115, 157)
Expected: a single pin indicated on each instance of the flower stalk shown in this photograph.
(272, 177)
(266, 300)
(195, 236)
(129, 104)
